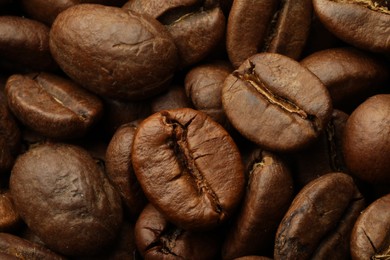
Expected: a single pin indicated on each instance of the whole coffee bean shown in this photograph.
(9, 217)
(24, 45)
(197, 26)
(364, 24)
(19, 248)
(156, 238)
(47, 10)
(120, 169)
(276, 103)
(269, 193)
(203, 86)
(366, 142)
(189, 168)
(112, 52)
(349, 74)
(65, 199)
(370, 235)
(271, 26)
(53, 106)
(324, 155)
(174, 97)
(319, 222)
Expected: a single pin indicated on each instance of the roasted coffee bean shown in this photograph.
(47, 10)
(9, 217)
(370, 237)
(53, 106)
(270, 26)
(112, 52)
(174, 98)
(65, 199)
(24, 45)
(276, 103)
(324, 155)
(19, 248)
(253, 257)
(120, 169)
(197, 26)
(189, 168)
(157, 238)
(319, 222)
(361, 23)
(366, 142)
(10, 137)
(269, 193)
(203, 86)
(349, 74)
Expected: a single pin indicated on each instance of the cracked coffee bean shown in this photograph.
(267, 26)
(370, 237)
(276, 103)
(189, 168)
(52, 106)
(112, 52)
(320, 219)
(157, 238)
(361, 23)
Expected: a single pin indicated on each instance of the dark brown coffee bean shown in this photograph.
(112, 52)
(196, 26)
(10, 137)
(319, 222)
(120, 169)
(203, 86)
(156, 238)
(268, 195)
(276, 103)
(20, 248)
(24, 44)
(174, 98)
(189, 168)
(53, 106)
(9, 217)
(366, 142)
(364, 24)
(253, 257)
(65, 199)
(370, 237)
(271, 26)
(349, 74)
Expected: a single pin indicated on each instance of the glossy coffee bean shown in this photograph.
(119, 169)
(319, 222)
(364, 24)
(53, 106)
(189, 168)
(112, 52)
(9, 217)
(370, 235)
(24, 44)
(14, 247)
(270, 26)
(10, 136)
(156, 238)
(203, 86)
(276, 103)
(366, 143)
(65, 199)
(351, 75)
(196, 26)
(269, 193)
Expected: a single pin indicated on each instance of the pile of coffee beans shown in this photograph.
(195, 129)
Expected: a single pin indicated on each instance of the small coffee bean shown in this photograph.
(53, 106)
(65, 199)
(9, 217)
(174, 97)
(276, 103)
(189, 168)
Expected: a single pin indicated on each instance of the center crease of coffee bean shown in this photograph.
(166, 240)
(335, 160)
(379, 6)
(187, 162)
(254, 80)
(272, 28)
